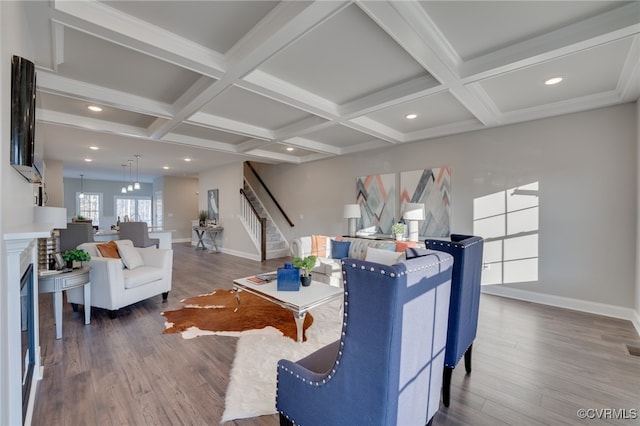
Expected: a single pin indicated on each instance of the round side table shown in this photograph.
(56, 283)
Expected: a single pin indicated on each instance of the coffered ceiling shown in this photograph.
(225, 81)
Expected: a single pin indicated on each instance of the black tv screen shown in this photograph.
(23, 114)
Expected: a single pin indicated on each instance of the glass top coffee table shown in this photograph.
(298, 302)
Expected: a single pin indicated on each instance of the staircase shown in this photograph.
(277, 245)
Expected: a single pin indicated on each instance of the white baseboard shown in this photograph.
(181, 240)
(567, 303)
(251, 256)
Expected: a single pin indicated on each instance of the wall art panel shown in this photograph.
(432, 187)
(376, 195)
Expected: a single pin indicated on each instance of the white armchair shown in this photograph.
(113, 286)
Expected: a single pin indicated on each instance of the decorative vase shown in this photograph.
(305, 280)
(202, 223)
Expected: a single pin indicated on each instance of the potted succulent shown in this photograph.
(397, 229)
(75, 255)
(305, 265)
(202, 216)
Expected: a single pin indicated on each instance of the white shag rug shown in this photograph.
(252, 386)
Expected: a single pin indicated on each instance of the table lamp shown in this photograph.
(413, 213)
(352, 212)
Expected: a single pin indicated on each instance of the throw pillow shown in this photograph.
(412, 252)
(131, 257)
(385, 257)
(340, 249)
(401, 246)
(109, 249)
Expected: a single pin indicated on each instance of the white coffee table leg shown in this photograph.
(57, 310)
(87, 303)
(299, 317)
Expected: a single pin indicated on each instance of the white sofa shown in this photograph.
(328, 269)
(113, 286)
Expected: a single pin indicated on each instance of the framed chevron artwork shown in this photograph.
(376, 195)
(431, 187)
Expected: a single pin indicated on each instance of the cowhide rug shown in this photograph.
(213, 314)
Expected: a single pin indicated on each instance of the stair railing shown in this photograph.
(269, 193)
(257, 225)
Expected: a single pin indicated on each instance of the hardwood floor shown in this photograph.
(532, 364)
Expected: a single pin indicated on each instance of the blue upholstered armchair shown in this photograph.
(465, 302)
(386, 368)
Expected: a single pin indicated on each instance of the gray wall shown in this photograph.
(585, 164)
(228, 180)
(109, 190)
(180, 205)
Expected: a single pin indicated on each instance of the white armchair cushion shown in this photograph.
(142, 275)
(130, 256)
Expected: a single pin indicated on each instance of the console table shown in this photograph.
(213, 231)
(57, 282)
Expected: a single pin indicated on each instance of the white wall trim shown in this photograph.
(567, 303)
(251, 256)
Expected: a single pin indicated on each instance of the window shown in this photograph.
(137, 209)
(158, 208)
(90, 206)
(508, 221)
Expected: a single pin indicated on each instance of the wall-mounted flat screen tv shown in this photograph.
(23, 118)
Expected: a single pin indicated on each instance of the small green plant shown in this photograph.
(305, 265)
(80, 217)
(397, 228)
(203, 215)
(77, 255)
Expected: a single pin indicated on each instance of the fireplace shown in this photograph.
(27, 320)
(20, 360)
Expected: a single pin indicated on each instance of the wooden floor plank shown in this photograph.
(532, 364)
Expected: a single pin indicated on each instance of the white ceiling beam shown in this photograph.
(400, 93)
(276, 31)
(87, 123)
(607, 27)
(302, 127)
(228, 125)
(52, 83)
(102, 21)
(314, 146)
(629, 82)
(426, 48)
(253, 144)
(277, 89)
(177, 139)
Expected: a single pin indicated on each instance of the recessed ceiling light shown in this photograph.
(88, 160)
(410, 116)
(94, 148)
(165, 167)
(289, 148)
(187, 159)
(94, 108)
(552, 81)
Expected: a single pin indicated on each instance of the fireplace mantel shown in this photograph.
(20, 247)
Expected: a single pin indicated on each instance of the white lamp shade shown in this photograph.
(414, 211)
(351, 210)
(56, 216)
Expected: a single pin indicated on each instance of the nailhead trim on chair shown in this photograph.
(450, 244)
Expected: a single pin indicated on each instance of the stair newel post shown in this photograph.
(263, 239)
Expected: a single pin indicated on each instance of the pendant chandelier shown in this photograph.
(130, 186)
(137, 184)
(124, 185)
(81, 196)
